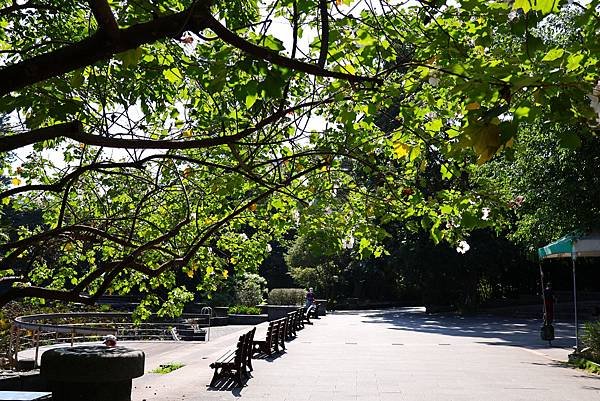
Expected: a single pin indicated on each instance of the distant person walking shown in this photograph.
(310, 298)
(549, 301)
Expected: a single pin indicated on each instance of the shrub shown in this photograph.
(243, 310)
(591, 339)
(250, 289)
(287, 296)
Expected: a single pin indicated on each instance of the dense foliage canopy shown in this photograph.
(160, 138)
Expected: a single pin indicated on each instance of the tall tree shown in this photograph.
(153, 134)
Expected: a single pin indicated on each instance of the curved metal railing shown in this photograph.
(33, 331)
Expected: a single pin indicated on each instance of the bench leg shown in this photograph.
(266, 348)
(239, 377)
(216, 377)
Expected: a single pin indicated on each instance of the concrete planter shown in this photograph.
(91, 373)
(321, 307)
(250, 320)
(278, 311)
(219, 321)
(220, 311)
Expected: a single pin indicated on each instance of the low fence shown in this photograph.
(35, 331)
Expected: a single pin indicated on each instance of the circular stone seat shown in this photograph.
(82, 373)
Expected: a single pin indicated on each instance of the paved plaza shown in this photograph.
(401, 354)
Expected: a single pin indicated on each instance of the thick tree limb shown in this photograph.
(173, 263)
(45, 293)
(74, 130)
(324, 33)
(100, 46)
(12, 142)
(129, 260)
(77, 228)
(269, 55)
(103, 45)
(105, 17)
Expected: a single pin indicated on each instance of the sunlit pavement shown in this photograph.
(402, 354)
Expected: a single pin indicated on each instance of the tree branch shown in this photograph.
(61, 231)
(103, 45)
(129, 260)
(324, 33)
(12, 142)
(98, 47)
(105, 17)
(74, 130)
(218, 225)
(269, 55)
(45, 293)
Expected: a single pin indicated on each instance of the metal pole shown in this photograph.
(543, 295)
(17, 346)
(37, 347)
(575, 306)
(11, 345)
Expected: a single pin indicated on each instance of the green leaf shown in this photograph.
(534, 44)
(553, 54)
(525, 5)
(434, 125)
(522, 111)
(173, 75)
(251, 99)
(446, 174)
(560, 107)
(469, 220)
(251, 93)
(518, 26)
(131, 57)
(574, 61)
(77, 79)
(546, 6)
(446, 209)
(273, 43)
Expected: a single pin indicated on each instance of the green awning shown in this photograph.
(573, 245)
(561, 248)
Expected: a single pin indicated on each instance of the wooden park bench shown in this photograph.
(235, 363)
(281, 336)
(313, 311)
(291, 325)
(289, 321)
(274, 338)
(301, 316)
(305, 315)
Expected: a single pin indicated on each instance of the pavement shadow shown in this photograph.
(269, 358)
(227, 384)
(491, 329)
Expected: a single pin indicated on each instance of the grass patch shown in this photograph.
(167, 368)
(586, 365)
